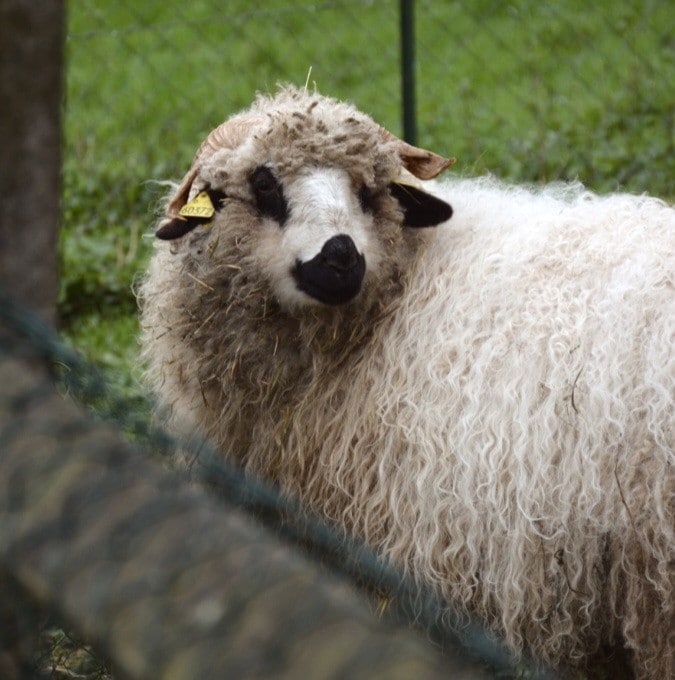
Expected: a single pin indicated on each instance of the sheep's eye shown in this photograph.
(263, 181)
(366, 199)
(269, 195)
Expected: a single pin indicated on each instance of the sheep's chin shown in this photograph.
(293, 300)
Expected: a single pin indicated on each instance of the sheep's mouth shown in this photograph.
(335, 275)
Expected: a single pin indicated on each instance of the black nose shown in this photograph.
(340, 253)
(335, 275)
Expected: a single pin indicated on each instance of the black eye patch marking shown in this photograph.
(269, 195)
(366, 199)
(179, 226)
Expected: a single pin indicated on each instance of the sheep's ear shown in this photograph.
(182, 193)
(200, 210)
(420, 162)
(177, 227)
(420, 209)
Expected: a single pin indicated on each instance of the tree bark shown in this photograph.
(31, 46)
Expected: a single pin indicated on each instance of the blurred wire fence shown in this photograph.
(527, 90)
(502, 85)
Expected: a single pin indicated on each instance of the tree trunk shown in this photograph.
(31, 42)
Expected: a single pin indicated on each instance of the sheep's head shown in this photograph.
(309, 192)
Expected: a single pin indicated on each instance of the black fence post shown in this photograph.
(408, 70)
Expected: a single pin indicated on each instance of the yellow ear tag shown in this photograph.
(199, 206)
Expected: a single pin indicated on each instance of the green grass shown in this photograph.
(528, 90)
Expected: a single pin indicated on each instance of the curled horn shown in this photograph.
(182, 193)
(420, 162)
(228, 135)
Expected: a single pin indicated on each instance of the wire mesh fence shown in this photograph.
(567, 90)
(494, 80)
(527, 90)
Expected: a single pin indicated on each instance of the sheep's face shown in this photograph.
(306, 201)
(315, 248)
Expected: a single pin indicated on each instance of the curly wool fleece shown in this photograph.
(493, 412)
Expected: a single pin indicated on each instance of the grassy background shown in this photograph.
(528, 90)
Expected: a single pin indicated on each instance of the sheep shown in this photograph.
(476, 379)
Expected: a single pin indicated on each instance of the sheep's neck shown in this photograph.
(261, 375)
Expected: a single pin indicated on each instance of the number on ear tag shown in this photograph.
(199, 206)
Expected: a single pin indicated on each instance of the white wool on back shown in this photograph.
(527, 385)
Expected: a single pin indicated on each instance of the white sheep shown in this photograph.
(490, 402)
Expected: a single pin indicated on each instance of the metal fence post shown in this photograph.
(408, 70)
